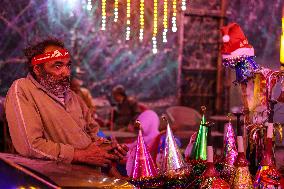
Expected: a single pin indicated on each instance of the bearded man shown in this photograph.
(49, 121)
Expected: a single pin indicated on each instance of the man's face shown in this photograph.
(54, 75)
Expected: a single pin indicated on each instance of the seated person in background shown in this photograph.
(127, 109)
(47, 120)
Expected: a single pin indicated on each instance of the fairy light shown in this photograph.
(183, 5)
(165, 21)
(174, 17)
(141, 20)
(115, 10)
(128, 20)
(89, 5)
(155, 27)
(103, 15)
(282, 40)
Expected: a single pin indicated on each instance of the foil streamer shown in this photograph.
(267, 177)
(199, 150)
(242, 178)
(245, 67)
(214, 183)
(172, 159)
(143, 166)
(230, 149)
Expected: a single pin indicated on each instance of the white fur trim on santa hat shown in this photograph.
(240, 52)
(226, 38)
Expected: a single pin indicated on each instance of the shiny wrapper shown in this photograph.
(230, 149)
(143, 166)
(242, 179)
(199, 150)
(228, 173)
(267, 177)
(214, 183)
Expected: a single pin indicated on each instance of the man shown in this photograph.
(127, 108)
(47, 120)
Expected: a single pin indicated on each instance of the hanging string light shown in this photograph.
(183, 5)
(115, 10)
(103, 15)
(165, 21)
(128, 19)
(141, 33)
(89, 5)
(174, 17)
(155, 27)
(282, 40)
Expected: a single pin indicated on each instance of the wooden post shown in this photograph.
(218, 105)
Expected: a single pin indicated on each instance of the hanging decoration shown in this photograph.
(89, 5)
(165, 21)
(282, 41)
(115, 11)
(141, 33)
(103, 15)
(174, 17)
(183, 5)
(128, 19)
(155, 27)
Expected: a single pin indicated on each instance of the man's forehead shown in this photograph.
(51, 48)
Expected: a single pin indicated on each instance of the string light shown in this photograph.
(115, 10)
(128, 19)
(103, 15)
(282, 40)
(183, 5)
(89, 5)
(155, 27)
(165, 21)
(174, 17)
(141, 20)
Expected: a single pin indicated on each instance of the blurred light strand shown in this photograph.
(128, 14)
(115, 10)
(165, 21)
(155, 27)
(141, 33)
(103, 15)
(174, 16)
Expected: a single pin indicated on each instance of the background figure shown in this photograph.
(126, 110)
(150, 128)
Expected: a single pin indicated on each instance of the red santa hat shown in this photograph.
(235, 42)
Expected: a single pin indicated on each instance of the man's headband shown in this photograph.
(49, 56)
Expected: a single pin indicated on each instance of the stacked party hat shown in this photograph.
(173, 166)
(144, 173)
(267, 175)
(211, 178)
(242, 178)
(230, 153)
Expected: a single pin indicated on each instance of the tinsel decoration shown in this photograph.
(230, 154)
(144, 172)
(173, 167)
(245, 67)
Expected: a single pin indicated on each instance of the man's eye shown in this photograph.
(57, 67)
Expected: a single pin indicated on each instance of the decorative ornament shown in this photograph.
(103, 15)
(165, 21)
(144, 172)
(115, 11)
(141, 33)
(155, 27)
(173, 166)
(183, 5)
(174, 16)
(89, 5)
(128, 15)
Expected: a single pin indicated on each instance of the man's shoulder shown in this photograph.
(20, 83)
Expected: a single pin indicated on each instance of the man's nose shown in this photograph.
(66, 71)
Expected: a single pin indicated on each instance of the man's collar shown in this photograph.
(38, 85)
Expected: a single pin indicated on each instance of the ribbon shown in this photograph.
(49, 56)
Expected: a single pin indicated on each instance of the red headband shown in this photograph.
(53, 55)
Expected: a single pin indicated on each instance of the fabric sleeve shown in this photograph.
(26, 129)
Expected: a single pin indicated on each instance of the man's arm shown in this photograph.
(26, 129)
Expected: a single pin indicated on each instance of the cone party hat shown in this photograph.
(144, 172)
(211, 178)
(242, 178)
(230, 153)
(173, 165)
(267, 175)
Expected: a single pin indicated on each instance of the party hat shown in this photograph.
(230, 153)
(173, 165)
(267, 175)
(144, 172)
(199, 149)
(211, 178)
(242, 178)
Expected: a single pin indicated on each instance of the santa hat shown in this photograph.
(235, 42)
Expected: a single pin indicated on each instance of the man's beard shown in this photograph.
(56, 85)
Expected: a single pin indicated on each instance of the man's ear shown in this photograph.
(36, 70)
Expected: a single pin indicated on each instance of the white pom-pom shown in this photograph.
(226, 38)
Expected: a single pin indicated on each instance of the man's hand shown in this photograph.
(95, 154)
(119, 150)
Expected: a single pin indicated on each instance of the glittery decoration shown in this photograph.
(214, 183)
(245, 67)
(199, 148)
(230, 149)
(242, 178)
(267, 177)
(228, 173)
(144, 170)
